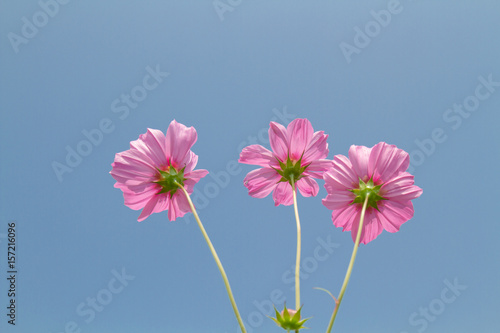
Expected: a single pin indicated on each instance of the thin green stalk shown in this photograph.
(217, 261)
(297, 263)
(351, 264)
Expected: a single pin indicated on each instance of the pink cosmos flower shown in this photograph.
(150, 172)
(379, 171)
(298, 154)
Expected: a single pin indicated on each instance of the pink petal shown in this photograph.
(192, 178)
(317, 148)
(190, 161)
(174, 210)
(317, 175)
(130, 172)
(257, 155)
(394, 214)
(387, 224)
(318, 167)
(196, 175)
(140, 150)
(401, 188)
(261, 182)
(387, 161)
(299, 134)
(179, 141)
(125, 177)
(371, 227)
(283, 194)
(162, 204)
(134, 188)
(338, 199)
(155, 146)
(345, 217)
(307, 187)
(137, 201)
(359, 155)
(278, 141)
(182, 202)
(130, 169)
(148, 208)
(341, 177)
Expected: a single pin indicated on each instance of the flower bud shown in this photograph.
(289, 319)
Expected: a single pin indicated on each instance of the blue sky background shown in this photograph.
(230, 74)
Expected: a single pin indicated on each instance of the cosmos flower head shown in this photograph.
(151, 172)
(380, 173)
(298, 155)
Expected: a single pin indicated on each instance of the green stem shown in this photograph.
(297, 263)
(351, 264)
(217, 260)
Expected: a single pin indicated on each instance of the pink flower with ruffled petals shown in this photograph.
(150, 172)
(298, 154)
(379, 171)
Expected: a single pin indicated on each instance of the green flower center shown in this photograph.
(170, 180)
(291, 170)
(368, 189)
